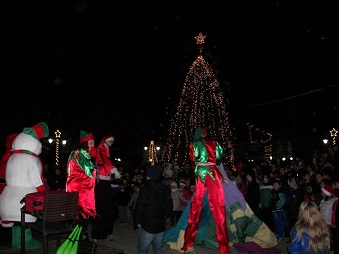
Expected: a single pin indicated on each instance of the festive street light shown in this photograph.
(334, 135)
(152, 153)
(57, 136)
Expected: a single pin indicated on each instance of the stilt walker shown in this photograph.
(206, 154)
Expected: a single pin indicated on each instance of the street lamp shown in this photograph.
(325, 141)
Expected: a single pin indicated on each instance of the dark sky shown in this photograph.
(120, 65)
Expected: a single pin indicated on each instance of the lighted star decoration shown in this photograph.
(333, 132)
(334, 135)
(200, 38)
(57, 134)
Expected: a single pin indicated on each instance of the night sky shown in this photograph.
(119, 66)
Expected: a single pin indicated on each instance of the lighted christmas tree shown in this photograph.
(201, 104)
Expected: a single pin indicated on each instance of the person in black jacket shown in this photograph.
(152, 209)
(252, 191)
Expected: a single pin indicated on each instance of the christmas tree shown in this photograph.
(201, 104)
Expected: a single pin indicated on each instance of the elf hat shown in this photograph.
(109, 138)
(328, 190)
(38, 131)
(200, 133)
(182, 184)
(85, 136)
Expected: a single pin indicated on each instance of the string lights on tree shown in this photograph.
(201, 104)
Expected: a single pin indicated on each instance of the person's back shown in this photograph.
(265, 211)
(326, 203)
(252, 191)
(153, 207)
(295, 198)
(310, 234)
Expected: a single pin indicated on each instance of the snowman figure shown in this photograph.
(24, 174)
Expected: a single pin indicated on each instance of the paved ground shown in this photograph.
(125, 240)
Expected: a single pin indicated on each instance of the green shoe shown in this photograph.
(30, 243)
(16, 236)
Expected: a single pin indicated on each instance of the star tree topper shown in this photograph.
(200, 38)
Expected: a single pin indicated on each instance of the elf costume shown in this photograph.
(24, 174)
(103, 191)
(81, 175)
(206, 154)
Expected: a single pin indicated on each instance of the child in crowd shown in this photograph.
(277, 205)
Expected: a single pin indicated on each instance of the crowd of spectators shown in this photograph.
(273, 191)
(281, 188)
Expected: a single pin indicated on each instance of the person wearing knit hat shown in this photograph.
(24, 174)
(326, 208)
(81, 177)
(185, 195)
(153, 173)
(106, 209)
(89, 138)
(327, 190)
(109, 139)
(85, 136)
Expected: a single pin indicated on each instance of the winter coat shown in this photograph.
(295, 198)
(326, 209)
(278, 200)
(253, 195)
(153, 207)
(265, 195)
(298, 248)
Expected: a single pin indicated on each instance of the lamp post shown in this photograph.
(152, 153)
(57, 137)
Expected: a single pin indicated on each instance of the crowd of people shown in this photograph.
(280, 190)
(287, 198)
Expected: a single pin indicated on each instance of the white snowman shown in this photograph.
(23, 175)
